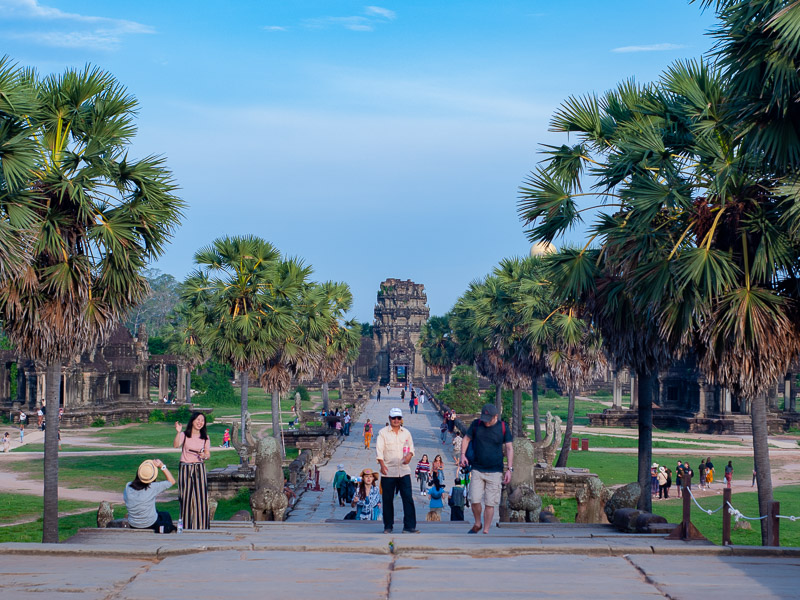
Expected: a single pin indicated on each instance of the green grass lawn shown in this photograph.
(159, 435)
(110, 472)
(616, 469)
(609, 441)
(14, 507)
(746, 502)
(558, 406)
(68, 526)
(64, 448)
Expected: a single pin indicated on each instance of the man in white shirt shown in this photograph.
(395, 449)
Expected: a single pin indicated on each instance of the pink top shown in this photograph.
(192, 448)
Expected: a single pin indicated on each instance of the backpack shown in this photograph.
(470, 452)
(457, 497)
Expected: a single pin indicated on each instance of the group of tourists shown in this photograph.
(661, 477)
(140, 494)
(339, 420)
(414, 399)
(477, 483)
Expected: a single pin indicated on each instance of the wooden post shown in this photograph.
(686, 530)
(773, 524)
(726, 517)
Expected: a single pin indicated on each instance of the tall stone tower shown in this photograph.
(399, 314)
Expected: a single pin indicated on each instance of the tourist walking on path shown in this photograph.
(662, 483)
(340, 480)
(422, 472)
(192, 481)
(367, 499)
(702, 474)
(754, 477)
(395, 449)
(226, 439)
(6, 442)
(378, 395)
(654, 480)
(456, 501)
(488, 437)
(347, 420)
(669, 483)
(367, 434)
(678, 475)
(435, 505)
(22, 420)
(451, 422)
(688, 473)
(729, 474)
(140, 498)
(443, 430)
(437, 468)
(709, 472)
(457, 441)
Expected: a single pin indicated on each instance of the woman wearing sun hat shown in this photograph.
(367, 499)
(140, 498)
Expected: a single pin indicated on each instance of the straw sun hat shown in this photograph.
(375, 474)
(148, 471)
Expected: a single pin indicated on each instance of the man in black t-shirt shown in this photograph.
(486, 440)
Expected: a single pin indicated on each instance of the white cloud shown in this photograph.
(273, 28)
(351, 23)
(97, 32)
(377, 11)
(374, 16)
(649, 48)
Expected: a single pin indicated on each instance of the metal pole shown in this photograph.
(687, 507)
(726, 517)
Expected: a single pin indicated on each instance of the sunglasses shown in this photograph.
(393, 418)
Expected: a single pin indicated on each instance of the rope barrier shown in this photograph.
(738, 515)
(708, 511)
(792, 518)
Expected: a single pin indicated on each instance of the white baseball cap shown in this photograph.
(395, 412)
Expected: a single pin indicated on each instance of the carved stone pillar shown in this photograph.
(181, 383)
(701, 405)
(616, 395)
(5, 384)
(163, 381)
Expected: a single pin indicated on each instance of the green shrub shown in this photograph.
(303, 391)
(156, 416)
(214, 385)
(603, 394)
(182, 414)
(99, 422)
(551, 394)
(461, 394)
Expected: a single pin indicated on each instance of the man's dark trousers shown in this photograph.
(403, 484)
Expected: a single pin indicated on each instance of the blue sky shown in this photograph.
(374, 141)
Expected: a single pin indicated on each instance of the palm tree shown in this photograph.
(101, 216)
(575, 356)
(437, 346)
(714, 224)
(231, 298)
(19, 159)
(342, 338)
(184, 339)
(757, 44)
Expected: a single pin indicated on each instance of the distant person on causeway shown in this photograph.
(395, 449)
(486, 440)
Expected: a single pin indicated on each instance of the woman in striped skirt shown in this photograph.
(192, 483)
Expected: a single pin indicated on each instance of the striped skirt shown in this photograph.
(193, 493)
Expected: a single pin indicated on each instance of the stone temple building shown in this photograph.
(113, 381)
(400, 312)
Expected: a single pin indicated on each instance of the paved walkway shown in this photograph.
(350, 560)
(424, 427)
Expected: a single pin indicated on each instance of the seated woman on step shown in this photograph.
(140, 498)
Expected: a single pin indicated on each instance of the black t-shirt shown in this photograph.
(488, 445)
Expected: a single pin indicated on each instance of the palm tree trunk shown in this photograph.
(52, 395)
(758, 417)
(276, 414)
(189, 385)
(498, 398)
(245, 380)
(517, 429)
(537, 429)
(565, 444)
(326, 401)
(646, 385)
